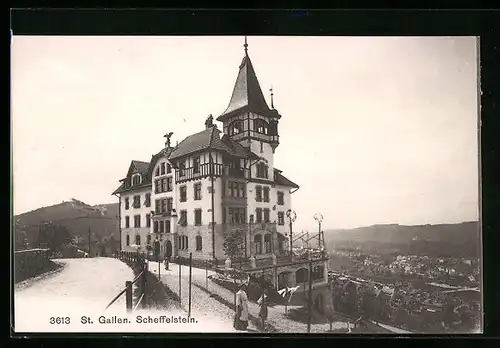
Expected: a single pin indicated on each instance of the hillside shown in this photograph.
(77, 217)
(461, 239)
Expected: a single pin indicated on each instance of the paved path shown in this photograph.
(276, 315)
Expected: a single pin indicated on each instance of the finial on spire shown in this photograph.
(272, 94)
(246, 46)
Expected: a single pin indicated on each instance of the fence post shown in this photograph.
(144, 284)
(128, 295)
(180, 271)
(309, 302)
(206, 274)
(190, 281)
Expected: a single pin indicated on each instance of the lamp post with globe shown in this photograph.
(319, 218)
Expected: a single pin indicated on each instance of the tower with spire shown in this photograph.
(248, 119)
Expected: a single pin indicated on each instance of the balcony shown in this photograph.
(201, 171)
(238, 173)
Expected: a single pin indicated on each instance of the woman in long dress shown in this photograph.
(263, 303)
(241, 317)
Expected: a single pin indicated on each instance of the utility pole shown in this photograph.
(213, 205)
(309, 302)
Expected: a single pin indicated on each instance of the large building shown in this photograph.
(192, 195)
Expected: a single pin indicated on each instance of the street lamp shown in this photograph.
(292, 216)
(318, 217)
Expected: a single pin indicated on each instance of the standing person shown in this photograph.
(166, 262)
(263, 303)
(241, 315)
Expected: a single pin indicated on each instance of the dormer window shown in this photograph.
(136, 179)
(261, 126)
(235, 127)
(262, 170)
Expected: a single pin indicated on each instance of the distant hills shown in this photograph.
(453, 240)
(77, 217)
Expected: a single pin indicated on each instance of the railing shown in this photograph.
(197, 172)
(133, 257)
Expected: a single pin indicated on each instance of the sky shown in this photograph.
(374, 129)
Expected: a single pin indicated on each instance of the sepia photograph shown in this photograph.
(246, 184)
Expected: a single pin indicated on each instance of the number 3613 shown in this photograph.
(60, 320)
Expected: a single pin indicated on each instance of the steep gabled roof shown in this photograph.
(165, 152)
(135, 167)
(281, 180)
(206, 139)
(247, 94)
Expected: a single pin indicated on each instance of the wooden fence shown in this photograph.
(135, 259)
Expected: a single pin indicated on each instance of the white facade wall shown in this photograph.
(132, 231)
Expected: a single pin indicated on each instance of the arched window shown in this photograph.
(198, 243)
(138, 240)
(267, 243)
(128, 240)
(148, 239)
(167, 226)
(257, 239)
(260, 126)
(235, 127)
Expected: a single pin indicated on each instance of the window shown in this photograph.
(281, 218)
(147, 201)
(169, 184)
(262, 170)
(197, 217)
(155, 227)
(182, 169)
(266, 193)
(198, 243)
(148, 220)
(183, 193)
(196, 165)
(157, 186)
(137, 239)
(281, 198)
(164, 205)
(157, 206)
(162, 168)
(235, 127)
(261, 147)
(266, 215)
(162, 227)
(257, 240)
(127, 203)
(137, 221)
(127, 240)
(258, 193)
(167, 226)
(183, 218)
(267, 243)
(148, 239)
(318, 272)
(136, 179)
(242, 189)
(236, 215)
(261, 126)
(137, 202)
(169, 168)
(164, 183)
(258, 215)
(170, 203)
(127, 221)
(197, 191)
(186, 243)
(157, 171)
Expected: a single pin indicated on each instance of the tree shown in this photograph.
(234, 243)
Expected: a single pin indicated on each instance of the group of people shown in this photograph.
(241, 314)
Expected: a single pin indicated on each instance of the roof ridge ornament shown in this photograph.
(246, 46)
(272, 99)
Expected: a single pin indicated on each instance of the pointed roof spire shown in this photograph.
(272, 94)
(247, 94)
